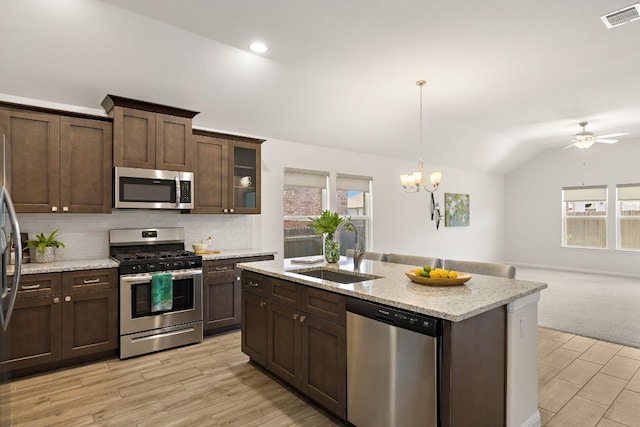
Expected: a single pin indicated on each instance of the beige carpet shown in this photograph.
(591, 305)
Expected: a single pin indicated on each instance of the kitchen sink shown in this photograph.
(336, 276)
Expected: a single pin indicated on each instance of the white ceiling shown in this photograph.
(504, 78)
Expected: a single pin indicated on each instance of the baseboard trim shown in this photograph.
(572, 269)
(533, 421)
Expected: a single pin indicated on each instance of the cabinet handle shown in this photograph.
(178, 191)
(231, 210)
(302, 318)
(295, 316)
(222, 268)
(262, 303)
(89, 281)
(252, 284)
(67, 299)
(225, 210)
(56, 300)
(30, 287)
(65, 209)
(54, 209)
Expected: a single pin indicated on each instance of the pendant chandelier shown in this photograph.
(412, 182)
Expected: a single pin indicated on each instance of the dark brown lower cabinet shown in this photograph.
(324, 363)
(60, 318)
(222, 305)
(285, 344)
(474, 370)
(305, 333)
(89, 323)
(255, 319)
(33, 335)
(221, 289)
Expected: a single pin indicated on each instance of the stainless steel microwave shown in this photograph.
(152, 189)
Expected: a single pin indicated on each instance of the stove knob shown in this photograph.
(178, 264)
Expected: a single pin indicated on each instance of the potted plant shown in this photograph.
(327, 223)
(45, 247)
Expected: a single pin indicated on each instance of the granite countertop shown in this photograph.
(97, 263)
(70, 265)
(393, 288)
(236, 253)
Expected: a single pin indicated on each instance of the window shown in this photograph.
(353, 200)
(584, 212)
(305, 195)
(628, 212)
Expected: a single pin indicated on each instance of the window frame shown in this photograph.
(363, 184)
(595, 193)
(635, 190)
(305, 178)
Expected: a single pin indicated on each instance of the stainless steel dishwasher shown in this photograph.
(393, 366)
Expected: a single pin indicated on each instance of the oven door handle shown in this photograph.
(143, 278)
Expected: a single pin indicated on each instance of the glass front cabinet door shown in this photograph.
(245, 164)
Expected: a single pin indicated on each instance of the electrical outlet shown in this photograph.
(523, 327)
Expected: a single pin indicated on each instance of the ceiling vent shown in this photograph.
(622, 16)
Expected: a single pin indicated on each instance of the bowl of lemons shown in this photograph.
(437, 276)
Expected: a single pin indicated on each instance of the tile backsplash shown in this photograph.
(87, 235)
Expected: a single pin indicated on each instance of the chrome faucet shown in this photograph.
(358, 251)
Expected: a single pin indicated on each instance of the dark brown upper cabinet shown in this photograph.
(227, 173)
(59, 163)
(150, 136)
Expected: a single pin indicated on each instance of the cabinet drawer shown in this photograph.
(39, 285)
(88, 280)
(218, 268)
(254, 283)
(283, 292)
(323, 304)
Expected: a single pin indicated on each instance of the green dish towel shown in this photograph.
(161, 292)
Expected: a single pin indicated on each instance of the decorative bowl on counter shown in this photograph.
(438, 281)
(200, 247)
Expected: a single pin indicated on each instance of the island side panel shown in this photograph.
(474, 370)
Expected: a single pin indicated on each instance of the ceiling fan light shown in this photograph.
(585, 143)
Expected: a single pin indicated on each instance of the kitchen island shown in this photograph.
(479, 350)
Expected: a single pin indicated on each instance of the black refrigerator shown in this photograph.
(9, 242)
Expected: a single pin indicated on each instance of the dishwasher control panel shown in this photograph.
(403, 319)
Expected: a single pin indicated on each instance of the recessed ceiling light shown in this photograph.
(258, 47)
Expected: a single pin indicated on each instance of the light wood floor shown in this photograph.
(209, 384)
(582, 382)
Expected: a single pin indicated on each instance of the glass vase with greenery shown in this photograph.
(326, 224)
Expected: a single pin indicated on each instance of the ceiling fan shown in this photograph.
(586, 139)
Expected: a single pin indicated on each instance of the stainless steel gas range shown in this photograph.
(160, 290)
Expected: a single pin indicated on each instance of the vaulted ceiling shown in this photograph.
(505, 79)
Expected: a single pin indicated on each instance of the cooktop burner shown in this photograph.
(151, 250)
(160, 255)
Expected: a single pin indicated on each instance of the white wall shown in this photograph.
(533, 198)
(401, 221)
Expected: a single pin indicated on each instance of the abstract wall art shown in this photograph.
(456, 210)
